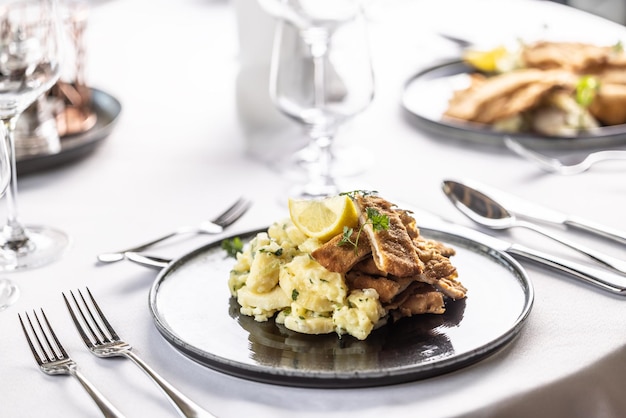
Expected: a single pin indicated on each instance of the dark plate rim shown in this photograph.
(329, 379)
(74, 147)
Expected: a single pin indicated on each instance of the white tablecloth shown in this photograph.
(178, 155)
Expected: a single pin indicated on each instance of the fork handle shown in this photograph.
(119, 255)
(185, 406)
(107, 408)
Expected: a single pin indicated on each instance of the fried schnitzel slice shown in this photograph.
(419, 298)
(341, 258)
(368, 266)
(387, 288)
(507, 94)
(573, 56)
(392, 248)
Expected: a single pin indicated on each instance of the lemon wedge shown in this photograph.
(488, 61)
(323, 218)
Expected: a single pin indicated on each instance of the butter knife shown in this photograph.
(602, 279)
(538, 213)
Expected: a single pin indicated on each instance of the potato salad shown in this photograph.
(275, 276)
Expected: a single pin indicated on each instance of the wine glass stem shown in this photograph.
(321, 170)
(321, 181)
(13, 231)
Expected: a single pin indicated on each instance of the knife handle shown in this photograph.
(603, 279)
(594, 228)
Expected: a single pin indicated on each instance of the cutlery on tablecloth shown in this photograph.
(102, 340)
(54, 360)
(538, 213)
(603, 279)
(215, 226)
(486, 211)
(554, 165)
(462, 43)
(149, 261)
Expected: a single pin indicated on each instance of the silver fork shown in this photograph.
(102, 340)
(554, 165)
(215, 226)
(54, 360)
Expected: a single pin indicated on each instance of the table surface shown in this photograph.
(184, 147)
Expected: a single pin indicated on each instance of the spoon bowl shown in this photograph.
(477, 206)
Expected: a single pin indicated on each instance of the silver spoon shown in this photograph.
(554, 165)
(9, 293)
(485, 211)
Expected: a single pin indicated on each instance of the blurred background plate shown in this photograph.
(426, 97)
(74, 147)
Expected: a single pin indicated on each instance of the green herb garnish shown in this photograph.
(586, 90)
(353, 193)
(294, 294)
(378, 221)
(618, 47)
(277, 253)
(232, 246)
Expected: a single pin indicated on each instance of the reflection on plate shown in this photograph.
(426, 97)
(193, 310)
(73, 147)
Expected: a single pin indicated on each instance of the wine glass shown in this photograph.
(30, 51)
(321, 76)
(9, 291)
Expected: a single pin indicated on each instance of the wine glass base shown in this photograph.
(43, 246)
(9, 293)
(346, 162)
(345, 165)
(312, 191)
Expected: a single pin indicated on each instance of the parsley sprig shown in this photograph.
(353, 193)
(379, 222)
(232, 246)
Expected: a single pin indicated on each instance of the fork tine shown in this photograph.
(48, 351)
(38, 358)
(103, 318)
(222, 215)
(92, 325)
(54, 336)
(235, 210)
(77, 323)
(233, 216)
(101, 337)
(234, 213)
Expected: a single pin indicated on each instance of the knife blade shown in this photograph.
(602, 279)
(535, 212)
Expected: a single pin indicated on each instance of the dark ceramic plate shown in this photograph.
(193, 310)
(74, 147)
(426, 97)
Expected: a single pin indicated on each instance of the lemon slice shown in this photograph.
(324, 218)
(485, 60)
